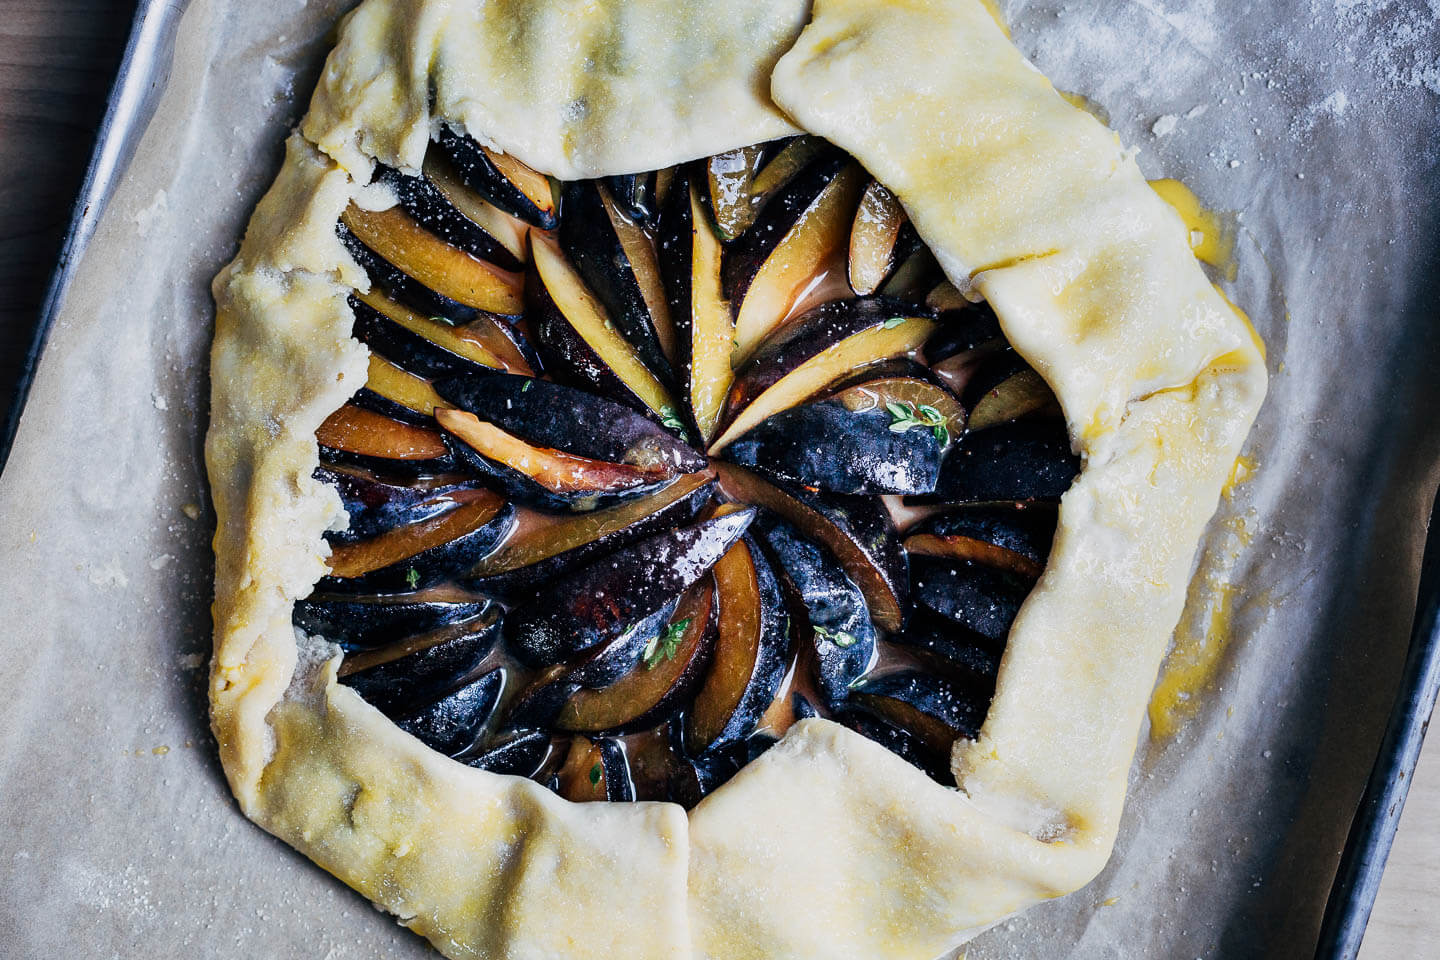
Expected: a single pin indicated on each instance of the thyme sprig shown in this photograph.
(906, 416)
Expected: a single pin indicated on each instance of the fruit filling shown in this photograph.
(649, 468)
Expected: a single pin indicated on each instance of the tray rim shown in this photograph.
(141, 77)
(1377, 816)
(139, 81)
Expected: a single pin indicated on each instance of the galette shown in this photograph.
(704, 480)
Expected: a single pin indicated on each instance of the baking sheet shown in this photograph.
(1319, 120)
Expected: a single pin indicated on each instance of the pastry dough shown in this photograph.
(828, 846)
(576, 88)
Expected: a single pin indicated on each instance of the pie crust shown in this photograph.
(828, 845)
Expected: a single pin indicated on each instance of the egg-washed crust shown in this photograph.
(828, 845)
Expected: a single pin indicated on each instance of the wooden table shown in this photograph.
(57, 61)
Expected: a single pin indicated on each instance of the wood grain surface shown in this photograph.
(57, 61)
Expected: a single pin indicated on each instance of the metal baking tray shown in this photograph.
(143, 73)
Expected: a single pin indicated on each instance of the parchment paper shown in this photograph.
(1319, 121)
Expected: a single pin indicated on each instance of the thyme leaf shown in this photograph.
(841, 638)
(905, 416)
(664, 644)
(671, 419)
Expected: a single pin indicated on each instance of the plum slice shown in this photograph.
(952, 648)
(500, 178)
(618, 263)
(913, 279)
(857, 531)
(598, 668)
(400, 286)
(1026, 459)
(605, 599)
(1023, 393)
(406, 505)
(798, 234)
(401, 681)
(543, 476)
(978, 597)
(946, 299)
(607, 663)
(842, 633)
(828, 447)
(438, 346)
(670, 667)
(397, 393)
(1013, 536)
(783, 160)
(690, 257)
(595, 770)
(425, 345)
(421, 554)
(741, 181)
(637, 195)
(693, 778)
(750, 651)
(362, 437)
(452, 273)
(577, 338)
(817, 348)
(915, 400)
(933, 710)
(539, 703)
(375, 505)
(880, 238)
(519, 753)
(509, 231)
(454, 722)
(546, 546)
(967, 337)
(727, 178)
(433, 210)
(1003, 387)
(555, 446)
(368, 622)
(565, 418)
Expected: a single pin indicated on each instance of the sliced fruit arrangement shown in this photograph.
(880, 240)
(830, 342)
(690, 259)
(799, 237)
(623, 488)
(617, 260)
(499, 178)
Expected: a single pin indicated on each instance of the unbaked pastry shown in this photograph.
(827, 845)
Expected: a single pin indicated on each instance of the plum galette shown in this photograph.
(704, 485)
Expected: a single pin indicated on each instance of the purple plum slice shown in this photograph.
(843, 635)
(1022, 460)
(454, 722)
(599, 602)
